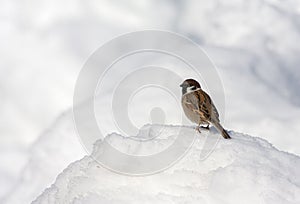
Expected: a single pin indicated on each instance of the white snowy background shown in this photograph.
(44, 44)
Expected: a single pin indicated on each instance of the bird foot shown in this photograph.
(205, 127)
(198, 129)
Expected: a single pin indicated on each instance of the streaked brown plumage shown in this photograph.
(199, 108)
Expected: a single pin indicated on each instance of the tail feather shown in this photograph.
(222, 130)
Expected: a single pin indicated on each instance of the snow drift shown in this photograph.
(244, 169)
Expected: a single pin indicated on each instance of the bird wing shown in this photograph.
(208, 107)
(200, 103)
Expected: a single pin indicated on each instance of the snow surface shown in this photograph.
(244, 169)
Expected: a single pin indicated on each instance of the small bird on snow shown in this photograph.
(199, 108)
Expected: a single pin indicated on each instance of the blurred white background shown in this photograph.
(44, 44)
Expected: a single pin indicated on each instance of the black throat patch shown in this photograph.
(184, 90)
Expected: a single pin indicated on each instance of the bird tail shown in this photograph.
(222, 130)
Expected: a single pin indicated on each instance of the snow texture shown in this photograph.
(244, 169)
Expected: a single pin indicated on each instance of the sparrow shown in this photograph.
(199, 108)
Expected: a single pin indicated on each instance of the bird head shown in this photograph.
(189, 85)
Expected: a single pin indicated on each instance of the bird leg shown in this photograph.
(198, 129)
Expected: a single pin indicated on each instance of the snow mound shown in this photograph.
(244, 169)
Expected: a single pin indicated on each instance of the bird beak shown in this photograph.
(181, 85)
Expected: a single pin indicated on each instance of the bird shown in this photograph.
(199, 108)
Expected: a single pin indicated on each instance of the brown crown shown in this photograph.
(191, 82)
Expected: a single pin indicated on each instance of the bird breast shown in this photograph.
(189, 110)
